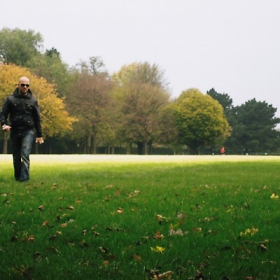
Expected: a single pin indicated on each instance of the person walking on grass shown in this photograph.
(23, 112)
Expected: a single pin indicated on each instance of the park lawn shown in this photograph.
(148, 220)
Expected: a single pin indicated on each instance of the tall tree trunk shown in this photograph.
(146, 152)
(150, 148)
(88, 151)
(93, 145)
(128, 148)
(50, 146)
(140, 147)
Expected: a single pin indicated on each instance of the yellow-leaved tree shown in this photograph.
(200, 120)
(55, 119)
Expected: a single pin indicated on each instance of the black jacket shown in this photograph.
(23, 111)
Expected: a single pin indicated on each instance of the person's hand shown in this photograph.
(40, 140)
(6, 127)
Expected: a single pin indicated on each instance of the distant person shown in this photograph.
(223, 150)
(24, 114)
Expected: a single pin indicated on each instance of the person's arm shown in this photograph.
(37, 123)
(4, 115)
(37, 120)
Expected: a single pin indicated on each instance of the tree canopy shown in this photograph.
(19, 46)
(254, 127)
(141, 72)
(143, 94)
(200, 120)
(224, 99)
(90, 100)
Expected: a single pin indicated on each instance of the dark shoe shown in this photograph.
(22, 181)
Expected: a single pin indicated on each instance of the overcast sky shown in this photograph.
(230, 45)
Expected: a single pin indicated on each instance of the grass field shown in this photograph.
(141, 217)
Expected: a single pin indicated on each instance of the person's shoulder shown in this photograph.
(32, 97)
(11, 97)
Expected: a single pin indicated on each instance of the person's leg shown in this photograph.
(26, 146)
(16, 151)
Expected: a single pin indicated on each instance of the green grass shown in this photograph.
(105, 221)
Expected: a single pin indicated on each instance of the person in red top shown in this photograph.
(223, 150)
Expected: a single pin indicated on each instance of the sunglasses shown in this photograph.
(24, 85)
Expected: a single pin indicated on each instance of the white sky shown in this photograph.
(230, 45)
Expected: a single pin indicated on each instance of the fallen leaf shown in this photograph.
(181, 215)
(197, 230)
(70, 207)
(120, 210)
(41, 207)
(177, 232)
(274, 196)
(158, 235)
(262, 247)
(45, 223)
(63, 225)
(165, 275)
(137, 258)
(161, 218)
(31, 238)
(104, 249)
(158, 249)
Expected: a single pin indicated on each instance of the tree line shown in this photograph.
(86, 110)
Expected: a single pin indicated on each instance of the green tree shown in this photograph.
(223, 98)
(19, 46)
(226, 101)
(168, 130)
(91, 101)
(50, 66)
(254, 129)
(200, 120)
(141, 106)
(142, 91)
(25, 48)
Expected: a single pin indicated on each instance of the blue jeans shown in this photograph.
(21, 149)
